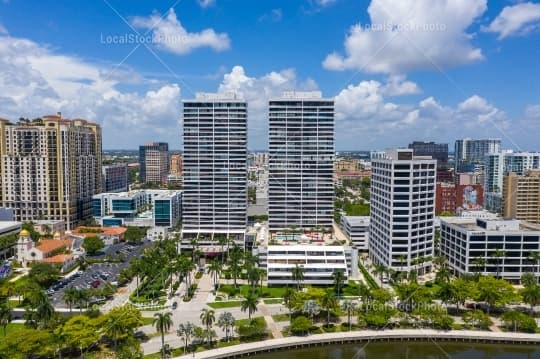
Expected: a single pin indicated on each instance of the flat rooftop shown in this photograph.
(502, 225)
(357, 220)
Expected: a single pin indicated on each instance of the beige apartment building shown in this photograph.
(50, 168)
(521, 196)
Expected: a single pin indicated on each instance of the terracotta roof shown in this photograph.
(111, 231)
(49, 245)
(59, 258)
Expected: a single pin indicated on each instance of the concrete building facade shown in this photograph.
(521, 196)
(115, 177)
(154, 162)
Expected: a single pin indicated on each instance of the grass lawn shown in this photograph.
(281, 317)
(273, 301)
(246, 321)
(243, 290)
(220, 305)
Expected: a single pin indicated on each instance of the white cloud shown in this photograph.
(168, 34)
(3, 30)
(398, 86)
(36, 81)
(533, 112)
(519, 19)
(274, 15)
(325, 2)
(411, 35)
(206, 3)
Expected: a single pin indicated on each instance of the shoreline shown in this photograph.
(397, 335)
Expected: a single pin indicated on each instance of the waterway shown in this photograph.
(409, 350)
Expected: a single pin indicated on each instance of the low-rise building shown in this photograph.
(8, 228)
(473, 245)
(143, 208)
(318, 263)
(356, 228)
(109, 235)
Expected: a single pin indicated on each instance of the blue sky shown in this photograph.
(399, 70)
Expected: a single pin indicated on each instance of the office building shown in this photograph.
(470, 244)
(319, 263)
(50, 168)
(176, 165)
(345, 164)
(115, 177)
(356, 228)
(154, 162)
(470, 153)
(215, 167)
(521, 196)
(141, 208)
(402, 210)
(301, 159)
(437, 151)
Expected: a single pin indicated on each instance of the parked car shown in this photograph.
(174, 305)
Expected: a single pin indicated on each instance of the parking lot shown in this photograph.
(97, 274)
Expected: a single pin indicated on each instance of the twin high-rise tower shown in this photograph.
(301, 153)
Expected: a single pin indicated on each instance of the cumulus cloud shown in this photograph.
(168, 34)
(411, 35)
(36, 81)
(519, 19)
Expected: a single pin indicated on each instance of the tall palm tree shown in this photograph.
(222, 241)
(379, 270)
(339, 279)
(215, 270)
(163, 323)
(208, 317)
(328, 302)
(253, 276)
(499, 254)
(70, 297)
(535, 256)
(226, 323)
(81, 298)
(5, 315)
(249, 304)
(235, 267)
(298, 276)
(43, 309)
(186, 331)
(350, 307)
(289, 298)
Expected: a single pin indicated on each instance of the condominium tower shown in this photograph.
(115, 177)
(50, 168)
(521, 196)
(154, 162)
(402, 210)
(470, 153)
(301, 155)
(215, 166)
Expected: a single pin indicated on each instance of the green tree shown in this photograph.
(235, 266)
(70, 297)
(535, 257)
(350, 307)
(328, 302)
(495, 291)
(121, 322)
(134, 234)
(27, 343)
(298, 276)
(498, 255)
(289, 298)
(44, 273)
(186, 331)
(462, 289)
(163, 323)
(79, 332)
(311, 308)
(531, 295)
(477, 319)
(5, 315)
(226, 323)
(301, 325)
(93, 244)
(215, 269)
(208, 317)
(249, 303)
(517, 321)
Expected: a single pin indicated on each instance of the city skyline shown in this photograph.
(128, 85)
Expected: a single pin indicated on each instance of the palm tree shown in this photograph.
(226, 322)
(479, 264)
(328, 302)
(311, 309)
(235, 267)
(215, 269)
(253, 276)
(80, 297)
(350, 307)
(186, 331)
(339, 278)
(379, 270)
(535, 257)
(249, 304)
(499, 254)
(222, 241)
(208, 317)
(70, 297)
(289, 298)
(163, 323)
(298, 276)
(5, 315)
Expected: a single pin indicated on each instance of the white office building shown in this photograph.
(498, 164)
(215, 167)
(469, 244)
(402, 210)
(470, 153)
(319, 263)
(301, 158)
(356, 228)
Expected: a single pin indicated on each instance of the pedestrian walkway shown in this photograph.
(276, 333)
(121, 297)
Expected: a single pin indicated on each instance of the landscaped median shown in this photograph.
(363, 336)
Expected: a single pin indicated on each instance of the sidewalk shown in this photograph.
(276, 333)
